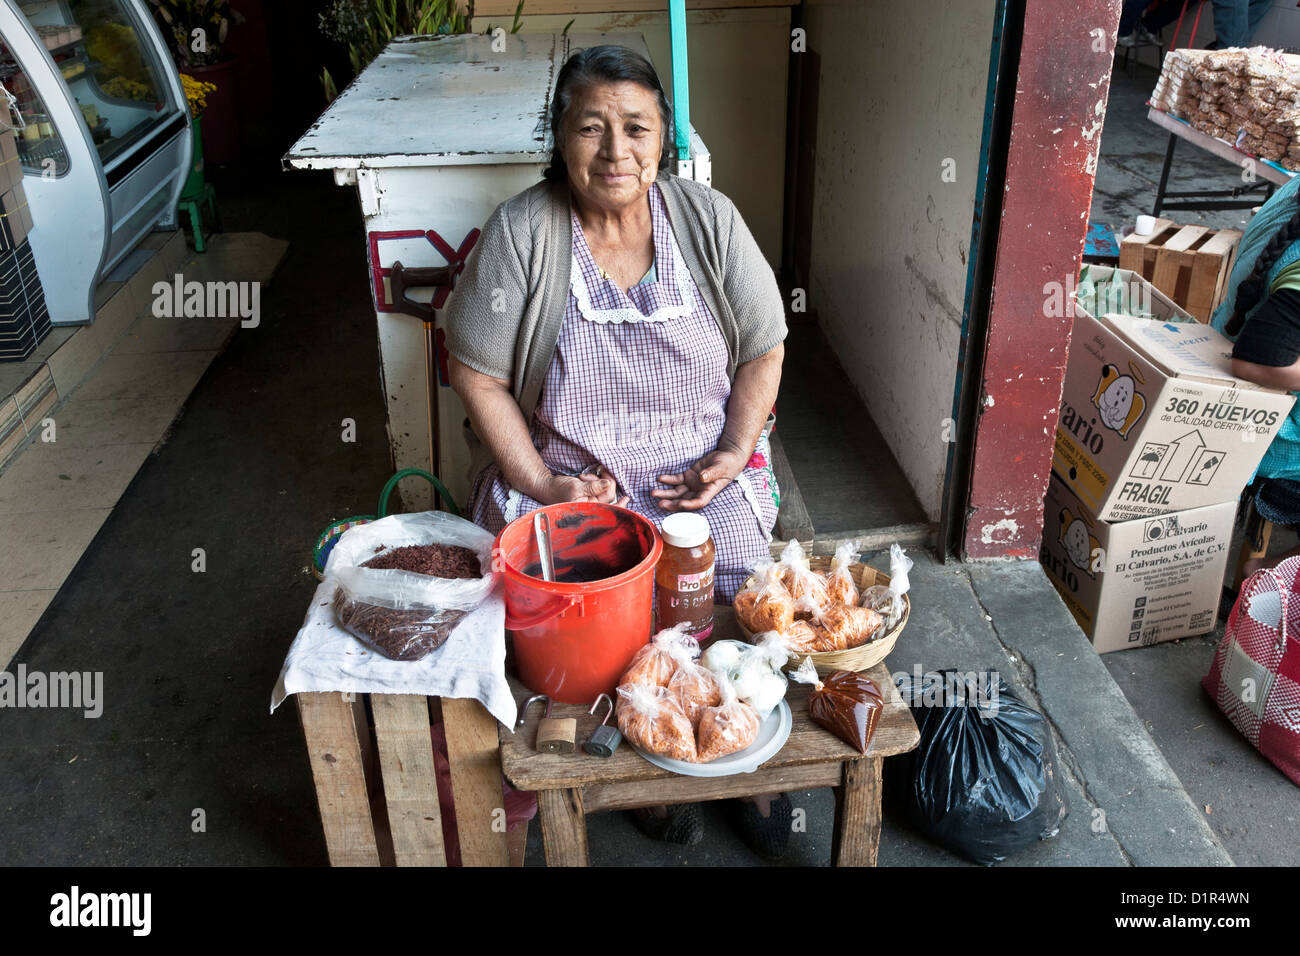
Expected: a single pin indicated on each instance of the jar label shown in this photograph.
(700, 581)
(690, 601)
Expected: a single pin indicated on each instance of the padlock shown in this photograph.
(604, 740)
(555, 735)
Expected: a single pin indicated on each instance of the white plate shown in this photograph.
(772, 735)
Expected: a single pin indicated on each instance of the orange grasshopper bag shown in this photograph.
(655, 663)
(840, 627)
(765, 605)
(807, 637)
(695, 688)
(850, 626)
(799, 578)
(727, 728)
(652, 719)
(840, 585)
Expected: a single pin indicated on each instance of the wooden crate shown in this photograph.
(372, 762)
(1190, 264)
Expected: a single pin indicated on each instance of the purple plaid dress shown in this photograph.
(639, 386)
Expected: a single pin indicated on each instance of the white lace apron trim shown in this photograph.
(685, 291)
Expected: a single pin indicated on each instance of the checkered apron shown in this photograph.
(638, 385)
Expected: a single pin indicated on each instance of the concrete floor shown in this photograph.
(252, 470)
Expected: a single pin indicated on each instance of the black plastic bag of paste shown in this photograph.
(983, 781)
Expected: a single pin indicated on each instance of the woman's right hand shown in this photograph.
(585, 487)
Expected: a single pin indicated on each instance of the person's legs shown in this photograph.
(681, 824)
(1257, 10)
(1231, 22)
(763, 822)
(1129, 16)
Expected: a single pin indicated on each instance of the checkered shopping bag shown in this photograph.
(1255, 675)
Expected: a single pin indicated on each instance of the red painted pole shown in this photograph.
(1063, 81)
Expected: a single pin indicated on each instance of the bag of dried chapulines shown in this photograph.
(651, 718)
(655, 663)
(401, 633)
(404, 582)
(799, 578)
(764, 604)
(840, 585)
(887, 600)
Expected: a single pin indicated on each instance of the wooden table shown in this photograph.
(570, 786)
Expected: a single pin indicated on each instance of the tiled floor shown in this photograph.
(120, 384)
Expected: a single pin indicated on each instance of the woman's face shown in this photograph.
(612, 140)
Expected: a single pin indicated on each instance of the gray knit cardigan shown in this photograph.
(504, 317)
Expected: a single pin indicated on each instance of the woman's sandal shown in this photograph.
(767, 836)
(683, 826)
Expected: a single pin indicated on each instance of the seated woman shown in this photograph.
(1261, 314)
(616, 336)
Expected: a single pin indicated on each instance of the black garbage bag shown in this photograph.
(983, 780)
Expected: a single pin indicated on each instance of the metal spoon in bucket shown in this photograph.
(542, 531)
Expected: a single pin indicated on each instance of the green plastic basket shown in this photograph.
(330, 536)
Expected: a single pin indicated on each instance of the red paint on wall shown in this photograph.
(1060, 103)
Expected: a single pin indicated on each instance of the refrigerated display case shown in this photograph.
(104, 139)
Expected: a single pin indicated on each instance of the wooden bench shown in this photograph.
(570, 786)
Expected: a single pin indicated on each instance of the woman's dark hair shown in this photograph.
(603, 64)
(1253, 287)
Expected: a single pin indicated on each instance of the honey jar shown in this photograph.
(684, 575)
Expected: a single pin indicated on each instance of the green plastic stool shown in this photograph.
(192, 206)
(198, 192)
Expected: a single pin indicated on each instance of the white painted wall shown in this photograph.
(902, 89)
(738, 66)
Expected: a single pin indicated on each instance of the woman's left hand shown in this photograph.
(695, 487)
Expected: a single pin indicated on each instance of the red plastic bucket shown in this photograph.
(575, 636)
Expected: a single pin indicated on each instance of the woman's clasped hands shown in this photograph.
(590, 485)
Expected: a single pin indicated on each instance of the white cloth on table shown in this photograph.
(470, 663)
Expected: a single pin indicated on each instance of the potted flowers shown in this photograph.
(196, 31)
(196, 95)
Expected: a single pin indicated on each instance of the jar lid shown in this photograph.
(686, 529)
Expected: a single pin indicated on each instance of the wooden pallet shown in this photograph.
(1190, 264)
(376, 787)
